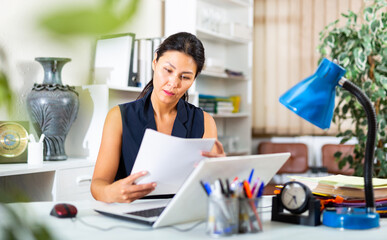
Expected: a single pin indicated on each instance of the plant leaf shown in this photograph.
(80, 22)
(88, 21)
(349, 45)
(383, 81)
(6, 95)
(367, 84)
(369, 14)
(375, 25)
(330, 41)
(381, 68)
(343, 59)
(337, 154)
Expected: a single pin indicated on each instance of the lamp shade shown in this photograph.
(314, 97)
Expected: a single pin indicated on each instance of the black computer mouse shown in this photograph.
(64, 210)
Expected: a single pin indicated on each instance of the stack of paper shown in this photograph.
(348, 187)
(169, 160)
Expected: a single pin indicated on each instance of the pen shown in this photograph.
(246, 187)
(260, 191)
(206, 187)
(251, 175)
(221, 186)
(42, 138)
(229, 192)
(32, 138)
(254, 189)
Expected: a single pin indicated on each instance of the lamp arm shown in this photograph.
(371, 138)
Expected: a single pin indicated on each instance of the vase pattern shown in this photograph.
(53, 107)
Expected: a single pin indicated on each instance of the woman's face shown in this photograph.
(173, 75)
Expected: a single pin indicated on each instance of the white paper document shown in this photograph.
(169, 160)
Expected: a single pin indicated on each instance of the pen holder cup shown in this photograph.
(250, 218)
(223, 215)
(35, 153)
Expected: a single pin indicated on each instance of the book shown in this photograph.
(348, 187)
(216, 104)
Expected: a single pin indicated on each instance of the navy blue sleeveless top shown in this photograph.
(138, 115)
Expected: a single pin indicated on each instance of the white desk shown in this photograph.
(68, 229)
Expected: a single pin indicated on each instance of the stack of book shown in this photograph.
(349, 189)
(216, 104)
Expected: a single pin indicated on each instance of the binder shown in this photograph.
(113, 63)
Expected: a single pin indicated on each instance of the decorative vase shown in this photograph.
(53, 107)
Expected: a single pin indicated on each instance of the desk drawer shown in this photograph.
(73, 182)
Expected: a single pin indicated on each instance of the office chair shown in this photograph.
(297, 163)
(329, 161)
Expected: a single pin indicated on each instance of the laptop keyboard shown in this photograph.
(148, 212)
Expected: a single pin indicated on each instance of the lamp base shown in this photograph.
(350, 218)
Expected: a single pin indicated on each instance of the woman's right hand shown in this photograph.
(126, 190)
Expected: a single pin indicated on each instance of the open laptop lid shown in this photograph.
(190, 202)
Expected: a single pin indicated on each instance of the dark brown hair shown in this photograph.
(183, 42)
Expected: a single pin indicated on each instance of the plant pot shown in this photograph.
(53, 107)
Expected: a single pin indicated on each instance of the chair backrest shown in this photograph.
(298, 161)
(329, 161)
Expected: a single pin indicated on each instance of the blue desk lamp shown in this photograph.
(314, 99)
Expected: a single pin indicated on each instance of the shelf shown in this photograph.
(208, 74)
(126, 88)
(232, 3)
(219, 37)
(230, 115)
(47, 166)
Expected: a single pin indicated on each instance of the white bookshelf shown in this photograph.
(206, 19)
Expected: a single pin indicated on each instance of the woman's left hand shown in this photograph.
(217, 151)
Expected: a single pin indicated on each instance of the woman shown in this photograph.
(161, 106)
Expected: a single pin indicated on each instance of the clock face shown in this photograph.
(294, 197)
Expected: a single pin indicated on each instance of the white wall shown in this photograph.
(22, 41)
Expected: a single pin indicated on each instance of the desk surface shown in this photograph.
(70, 229)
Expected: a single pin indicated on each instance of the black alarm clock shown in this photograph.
(295, 197)
(294, 200)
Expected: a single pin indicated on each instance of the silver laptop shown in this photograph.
(190, 202)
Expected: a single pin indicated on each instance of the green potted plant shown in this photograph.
(361, 48)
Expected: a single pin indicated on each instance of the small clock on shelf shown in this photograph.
(296, 204)
(13, 141)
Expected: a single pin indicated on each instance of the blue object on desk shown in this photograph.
(350, 218)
